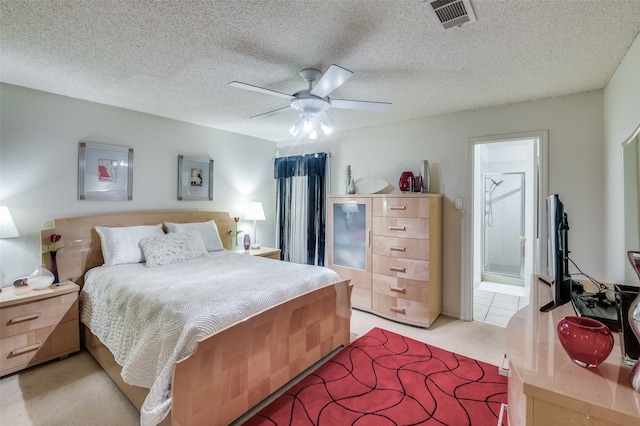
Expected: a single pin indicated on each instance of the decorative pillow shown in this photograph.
(172, 248)
(120, 245)
(208, 230)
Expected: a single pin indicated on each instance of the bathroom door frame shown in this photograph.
(541, 138)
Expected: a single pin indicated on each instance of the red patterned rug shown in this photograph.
(383, 378)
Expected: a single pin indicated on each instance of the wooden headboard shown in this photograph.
(81, 244)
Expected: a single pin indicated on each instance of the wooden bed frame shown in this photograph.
(235, 369)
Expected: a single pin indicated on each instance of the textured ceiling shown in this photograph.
(176, 58)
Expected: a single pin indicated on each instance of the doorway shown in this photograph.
(508, 186)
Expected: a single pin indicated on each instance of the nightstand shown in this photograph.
(268, 252)
(37, 325)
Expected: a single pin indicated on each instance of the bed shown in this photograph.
(234, 364)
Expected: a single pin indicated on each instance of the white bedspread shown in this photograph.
(152, 317)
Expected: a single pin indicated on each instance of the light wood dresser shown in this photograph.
(37, 325)
(546, 388)
(390, 247)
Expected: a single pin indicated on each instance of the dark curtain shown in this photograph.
(313, 167)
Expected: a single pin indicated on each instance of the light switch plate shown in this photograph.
(458, 203)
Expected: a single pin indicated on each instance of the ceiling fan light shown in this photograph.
(295, 129)
(327, 129)
(313, 135)
(307, 125)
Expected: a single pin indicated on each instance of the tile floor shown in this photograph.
(494, 307)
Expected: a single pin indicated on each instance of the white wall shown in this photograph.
(39, 166)
(40, 135)
(575, 124)
(621, 118)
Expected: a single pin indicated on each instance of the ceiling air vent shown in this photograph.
(452, 13)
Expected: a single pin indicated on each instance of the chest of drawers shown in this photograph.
(399, 242)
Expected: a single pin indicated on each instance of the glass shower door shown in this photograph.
(504, 226)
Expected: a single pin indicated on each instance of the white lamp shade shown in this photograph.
(254, 211)
(7, 226)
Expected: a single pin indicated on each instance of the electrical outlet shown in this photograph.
(458, 203)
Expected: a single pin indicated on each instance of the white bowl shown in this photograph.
(38, 283)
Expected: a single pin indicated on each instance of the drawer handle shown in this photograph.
(395, 309)
(397, 228)
(398, 268)
(16, 352)
(398, 289)
(394, 248)
(397, 207)
(25, 318)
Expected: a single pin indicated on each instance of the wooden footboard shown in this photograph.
(238, 367)
(235, 369)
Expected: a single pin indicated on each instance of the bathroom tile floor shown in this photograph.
(495, 307)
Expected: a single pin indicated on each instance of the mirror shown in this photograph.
(631, 197)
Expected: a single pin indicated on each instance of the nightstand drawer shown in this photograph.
(401, 268)
(41, 313)
(405, 227)
(408, 248)
(401, 207)
(23, 350)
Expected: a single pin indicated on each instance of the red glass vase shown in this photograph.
(588, 342)
(406, 181)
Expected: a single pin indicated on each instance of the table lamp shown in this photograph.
(7, 230)
(254, 212)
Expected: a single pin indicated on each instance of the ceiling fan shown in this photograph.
(312, 103)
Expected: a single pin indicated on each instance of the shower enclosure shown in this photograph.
(503, 229)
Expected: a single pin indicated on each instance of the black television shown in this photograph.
(557, 254)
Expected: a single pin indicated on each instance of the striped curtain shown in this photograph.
(301, 199)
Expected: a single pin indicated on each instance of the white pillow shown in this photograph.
(172, 248)
(208, 230)
(120, 245)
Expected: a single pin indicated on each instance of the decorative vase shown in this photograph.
(406, 181)
(40, 278)
(634, 323)
(352, 187)
(425, 173)
(588, 342)
(626, 296)
(54, 266)
(247, 242)
(347, 179)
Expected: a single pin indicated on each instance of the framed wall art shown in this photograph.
(195, 178)
(105, 172)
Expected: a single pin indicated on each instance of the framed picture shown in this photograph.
(105, 172)
(195, 178)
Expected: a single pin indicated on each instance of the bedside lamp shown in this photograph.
(7, 230)
(254, 212)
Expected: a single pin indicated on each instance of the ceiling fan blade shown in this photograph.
(361, 105)
(259, 89)
(271, 113)
(331, 80)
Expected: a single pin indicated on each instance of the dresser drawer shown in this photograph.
(43, 344)
(408, 248)
(30, 316)
(401, 288)
(408, 310)
(401, 207)
(404, 227)
(402, 268)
